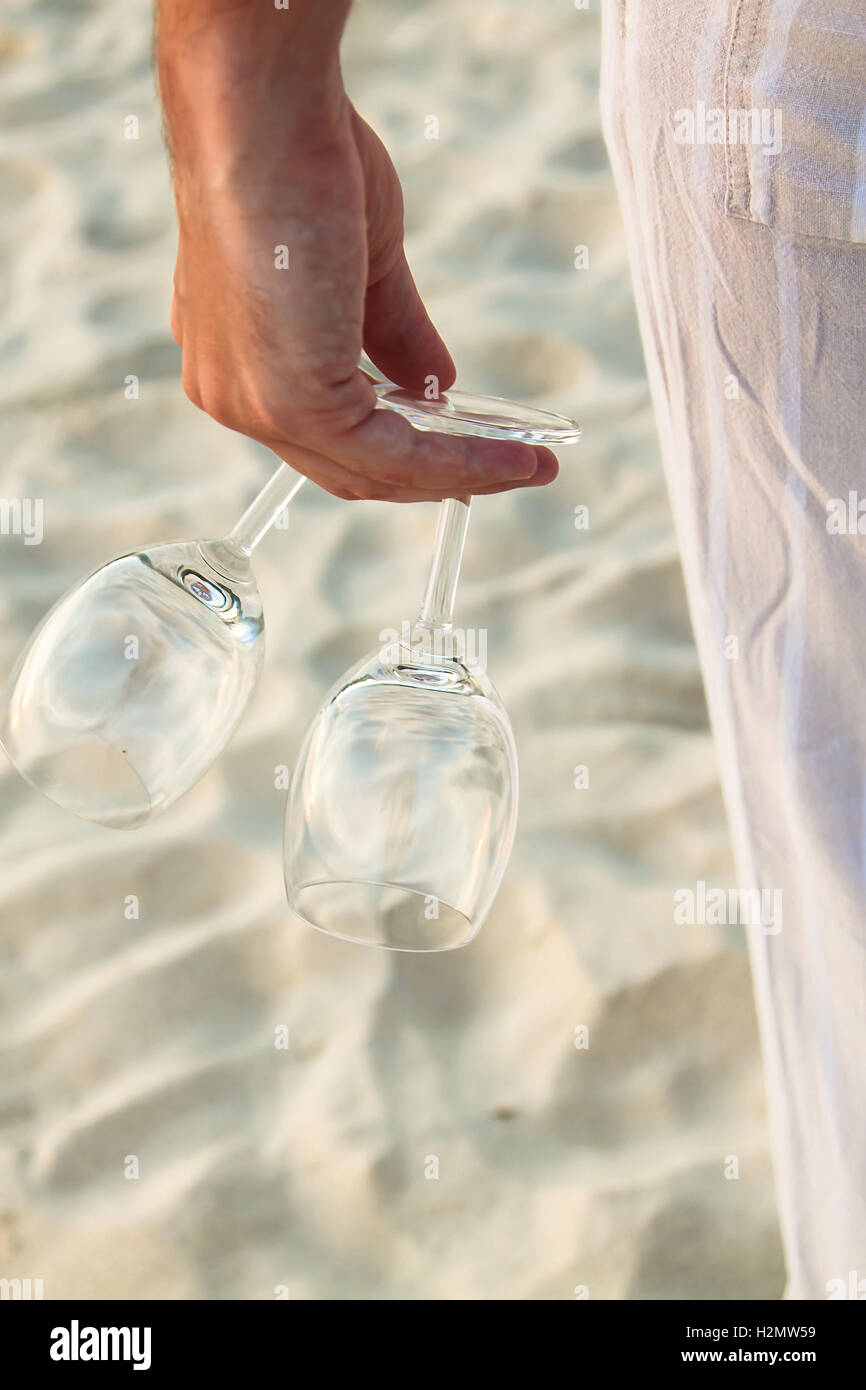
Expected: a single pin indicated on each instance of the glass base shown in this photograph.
(462, 412)
(381, 914)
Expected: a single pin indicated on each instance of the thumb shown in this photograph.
(399, 336)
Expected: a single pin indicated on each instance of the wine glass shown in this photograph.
(137, 678)
(403, 804)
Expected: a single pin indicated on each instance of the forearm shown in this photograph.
(235, 75)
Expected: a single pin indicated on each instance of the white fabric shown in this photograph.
(750, 276)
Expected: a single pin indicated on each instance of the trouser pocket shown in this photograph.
(794, 119)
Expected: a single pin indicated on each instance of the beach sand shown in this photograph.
(563, 1171)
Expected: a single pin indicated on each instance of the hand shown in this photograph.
(273, 352)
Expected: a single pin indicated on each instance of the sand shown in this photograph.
(263, 1172)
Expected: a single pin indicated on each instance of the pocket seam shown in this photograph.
(738, 187)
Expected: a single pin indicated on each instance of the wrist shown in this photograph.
(240, 89)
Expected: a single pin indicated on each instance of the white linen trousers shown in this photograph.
(737, 133)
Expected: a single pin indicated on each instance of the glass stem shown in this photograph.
(263, 511)
(437, 608)
(231, 554)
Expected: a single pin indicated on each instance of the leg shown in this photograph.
(755, 338)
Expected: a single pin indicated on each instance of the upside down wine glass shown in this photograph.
(137, 678)
(402, 809)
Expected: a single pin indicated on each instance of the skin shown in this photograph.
(268, 151)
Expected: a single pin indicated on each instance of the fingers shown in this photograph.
(546, 472)
(399, 335)
(333, 432)
(349, 486)
(339, 481)
(379, 446)
(385, 447)
(353, 449)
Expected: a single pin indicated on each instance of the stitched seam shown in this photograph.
(738, 194)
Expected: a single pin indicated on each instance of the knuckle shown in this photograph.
(275, 419)
(218, 408)
(208, 391)
(189, 381)
(212, 398)
(338, 406)
(308, 412)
